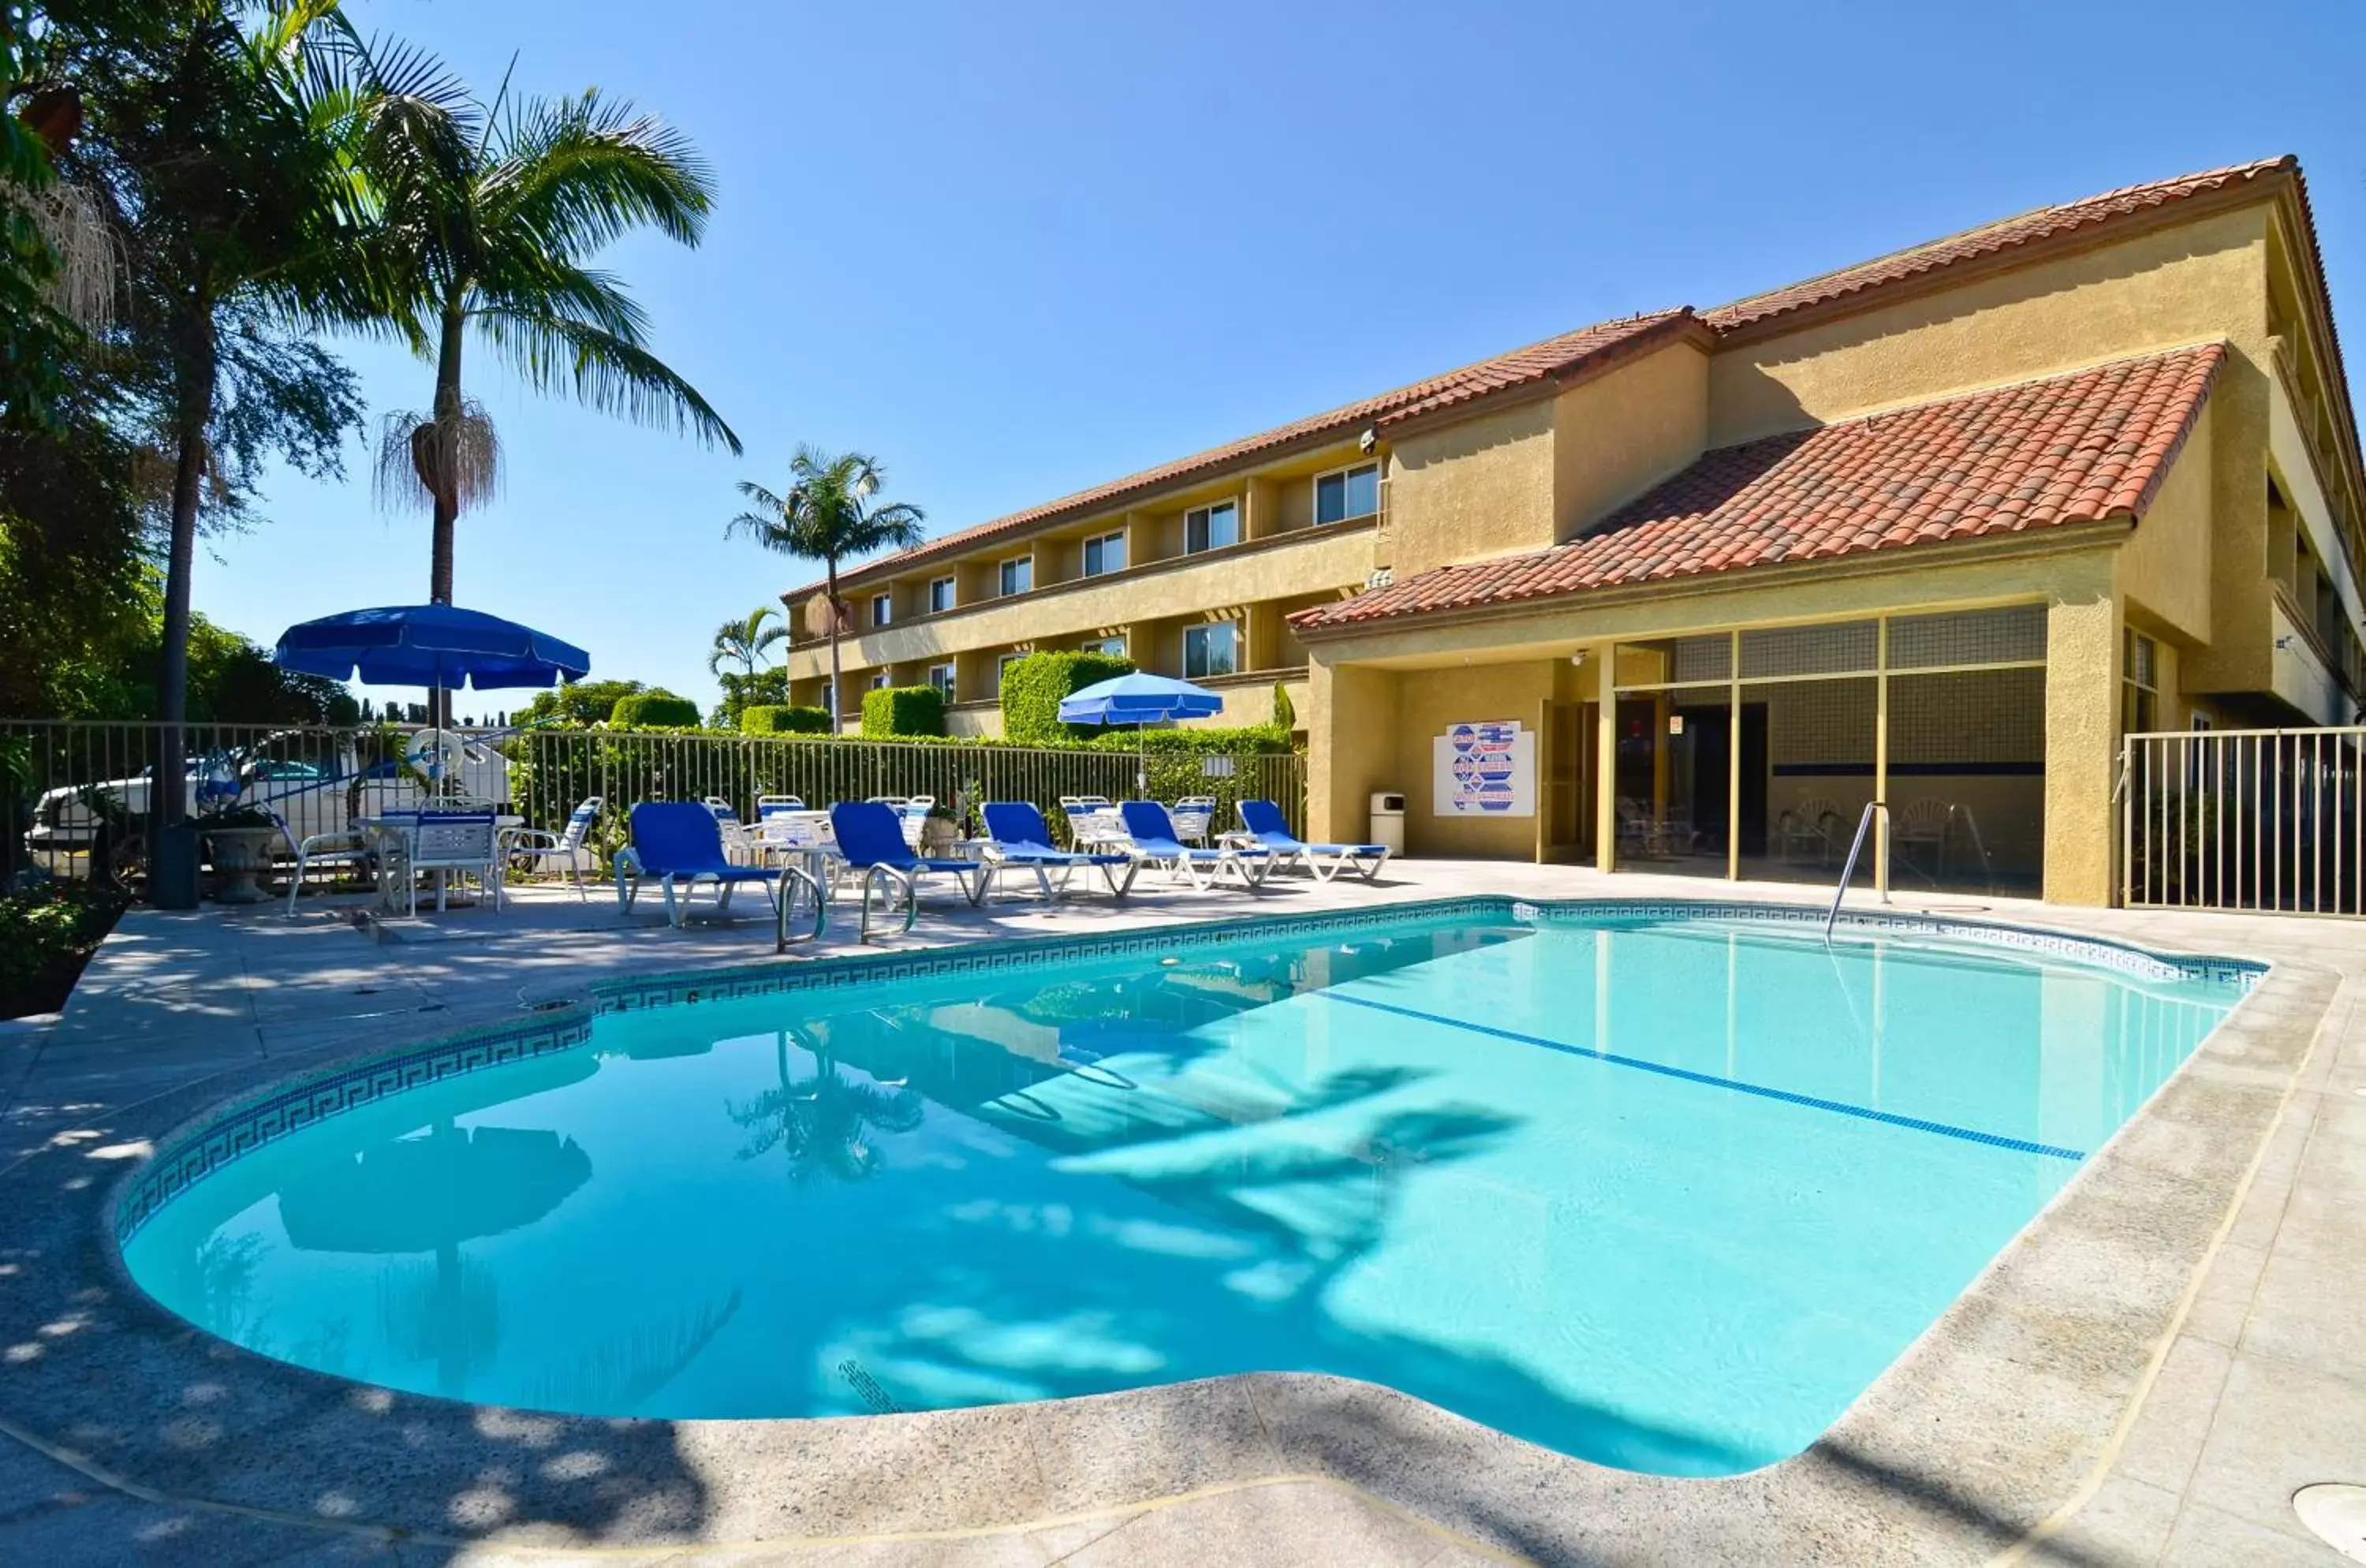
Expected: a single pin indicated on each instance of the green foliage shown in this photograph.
(1285, 712)
(765, 688)
(578, 704)
(658, 709)
(894, 712)
(745, 641)
(1033, 687)
(47, 933)
(777, 718)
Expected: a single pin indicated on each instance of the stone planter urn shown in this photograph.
(938, 837)
(241, 855)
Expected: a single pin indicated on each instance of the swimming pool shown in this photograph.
(1656, 1188)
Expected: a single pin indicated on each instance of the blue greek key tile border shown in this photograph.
(250, 1124)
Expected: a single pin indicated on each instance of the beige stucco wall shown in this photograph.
(1350, 715)
(2082, 708)
(2190, 282)
(1428, 701)
(1481, 488)
(1616, 435)
(2161, 566)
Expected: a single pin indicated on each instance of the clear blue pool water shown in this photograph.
(1666, 1196)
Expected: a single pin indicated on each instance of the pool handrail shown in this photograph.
(1856, 844)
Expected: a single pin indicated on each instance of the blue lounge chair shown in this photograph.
(1268, 830)
(1146, 823)
(1018, 837)
(870, 837)
(680, 843)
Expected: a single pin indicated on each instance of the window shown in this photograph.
(940, 676)
(879, 681)
(1114, 647)
(1017, 574)
(1209, 650)
(1105, 553)
(1002, 667)
(1350, 492)
(940, 596)
(883, 609)
(2140, 685)
(1210, 527)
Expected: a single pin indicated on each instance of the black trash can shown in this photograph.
(173, 869)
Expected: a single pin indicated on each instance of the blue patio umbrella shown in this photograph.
(441, 646)
(1139, 699)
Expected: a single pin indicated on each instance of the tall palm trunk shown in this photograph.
(830, 563)
(195, 353)
(446, 484)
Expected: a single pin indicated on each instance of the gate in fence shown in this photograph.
(72, 792)
(2264, 820)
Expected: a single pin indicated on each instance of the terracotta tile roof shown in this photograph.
(1555, 357)
(2010, 233)
(2073, 449)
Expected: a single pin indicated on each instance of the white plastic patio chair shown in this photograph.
(1193, 815)
(772, 804)
(463, 843)
(1808, 829)
(739, 845)
(536, 846)
(349, 848)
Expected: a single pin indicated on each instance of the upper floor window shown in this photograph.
(940, 676)
(940, 596)
(1347, 494)
(1212, 650)
(1105, 552)
(1017, 574)
(1212, 527)
(883, 609)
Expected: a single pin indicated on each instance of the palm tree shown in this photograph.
(822, 1123)
(489, 227)
(744, 643)
(225, 135)
(829, 515)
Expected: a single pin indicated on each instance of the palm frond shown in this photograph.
(580, 173)
(601, 370)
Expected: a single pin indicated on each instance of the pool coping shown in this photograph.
(1987, 1426)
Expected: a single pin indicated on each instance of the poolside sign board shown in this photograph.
(1484, 769)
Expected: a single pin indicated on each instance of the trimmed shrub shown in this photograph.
(774, 719)
(653, 710)
(1032, 687)
(893, 713)
(1285, 712)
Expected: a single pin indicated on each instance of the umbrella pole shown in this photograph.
(1141, 761)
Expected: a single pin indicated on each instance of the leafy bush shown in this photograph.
(47, 933)
(765, 688)
(1032, 687)
(1285, 712)
(775, 719)
(893, 713)
(658, 709)
(579, 702)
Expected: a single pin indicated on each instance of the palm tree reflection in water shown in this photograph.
(822, 1123)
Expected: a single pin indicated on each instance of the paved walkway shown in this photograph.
(2261, 1384)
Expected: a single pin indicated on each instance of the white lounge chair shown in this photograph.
(349, 848)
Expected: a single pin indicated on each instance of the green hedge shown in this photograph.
(901, 712)
(654, 710)
(773, 718)
(1032, 687)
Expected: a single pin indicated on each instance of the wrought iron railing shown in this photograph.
(2268, 821)
(71, 791)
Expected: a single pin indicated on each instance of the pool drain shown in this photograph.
(2337, 1513)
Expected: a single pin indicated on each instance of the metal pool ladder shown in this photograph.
(1856, 845)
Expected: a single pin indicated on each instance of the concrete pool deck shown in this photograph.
(2143, 1376)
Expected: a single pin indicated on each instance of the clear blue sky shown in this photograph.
(1016, 250)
